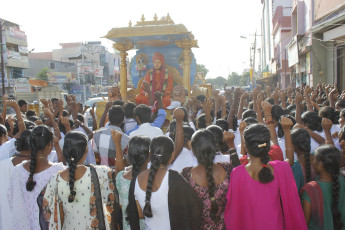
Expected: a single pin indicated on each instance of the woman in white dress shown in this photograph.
(81, 197)
(6, 168)
(29, 179)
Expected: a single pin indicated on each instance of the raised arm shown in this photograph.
(242, 126)
(258, 108)
(240, 108)
(88, 132)
(50, 116)
(327, 125)
(307, 92)
(4, 108)
(233, 109)
(298, 101)
(104, 115)
(21, 125)
(267, 107)
(286, 124)
(94, 121)
(207, 109)
(179, 138)
(116, 137)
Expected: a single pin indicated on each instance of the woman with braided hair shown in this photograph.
(210, 180)
(162, 196)
(29, 179)
(324, 199)
(138, 156)
(263, 193)
(81, 197)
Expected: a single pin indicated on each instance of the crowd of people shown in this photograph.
(264, 159)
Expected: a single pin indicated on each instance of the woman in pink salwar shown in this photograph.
(262, 194)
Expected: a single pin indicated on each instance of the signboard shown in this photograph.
(97, 71)
(23, 88)
(23, 50)
(16, 33)
(59, 77)
(293, 52)
(77, 89)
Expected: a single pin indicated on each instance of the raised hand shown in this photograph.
(299, 98)
(242, 126)
(266, 106)
(60, 105)
(12, 103)
(45, 103)
(179, 114)
(207, 106)
(116, 136)
(326, 124)
(286, 123)
(47, 112)
(65, 122)
(228, 137)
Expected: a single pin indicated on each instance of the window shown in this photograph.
(51, 65)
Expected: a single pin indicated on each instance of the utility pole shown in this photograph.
(253, 78)
(2, 60)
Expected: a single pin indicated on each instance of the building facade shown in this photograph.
(15, 54)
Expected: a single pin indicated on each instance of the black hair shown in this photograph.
(129, 109)
(223, 124)
(3, 130)
(219, 113)
(23, 142)
(201, 98)
(234, 123)
(40, 137)
(276, 112)
(270, 100)
(218, 134)
(138, 153)
(342, 113)
(280, 132)
(21, 103)
(172, 129)
(30, 113)
(251, 105)
(80, 117)
(116, 115)
(248, 113)
(54, 99)
(258, 146)
(201, 121)
(329, 113)
(250, 121)
(62, 127)
(187, 134)
(32, 118)
(301, 139)
(161, 149)
(330, 158)
(340, 103)
(143, 112)
(28, 125)
(118, 102)
(312, 120)
(64, 113)
(74, 148)
(204, 148)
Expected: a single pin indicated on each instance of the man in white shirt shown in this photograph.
(142, 114)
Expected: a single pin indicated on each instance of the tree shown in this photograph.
(43, 74)
(245, 80)
(217, 82)
(234, 79)
(201, 68)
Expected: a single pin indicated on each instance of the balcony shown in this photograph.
(15, 36)
(14, 59)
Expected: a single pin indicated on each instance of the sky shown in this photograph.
(217, 25)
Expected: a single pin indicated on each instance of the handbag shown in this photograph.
(116, 215)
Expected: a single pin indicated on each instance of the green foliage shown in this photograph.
(201, 68)
(43, 74)
(235, 79)
(218, 82)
